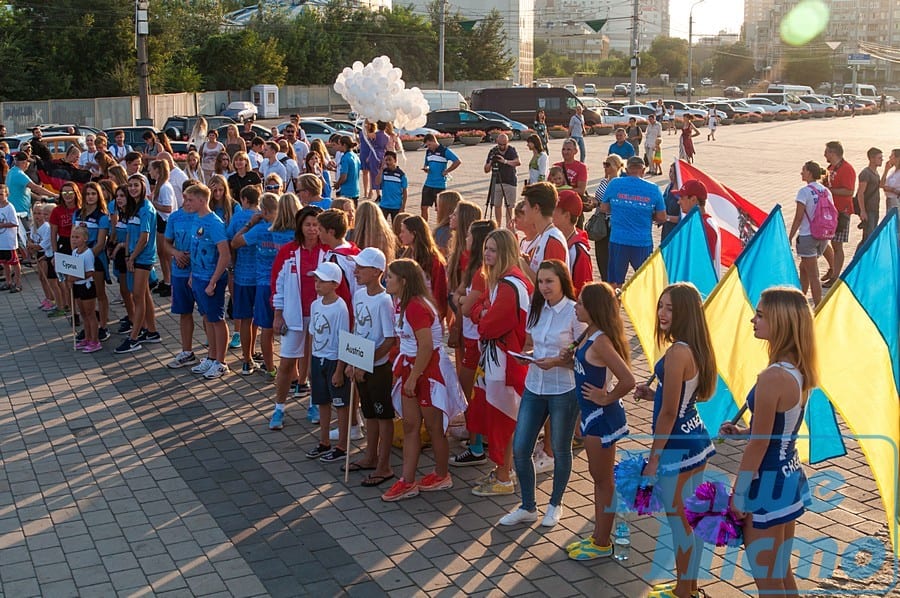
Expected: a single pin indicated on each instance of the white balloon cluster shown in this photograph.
(376, 91)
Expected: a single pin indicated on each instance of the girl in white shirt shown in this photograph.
(552, 332)
(163, 199)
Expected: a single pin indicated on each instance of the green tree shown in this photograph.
(671, 55)
(733, 64)
(614, 67)
(16, 61)
(240, 59)
(486, 55)
(551, 64)
(807, 65)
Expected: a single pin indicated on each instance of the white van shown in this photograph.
(798, 90)
(439, 99)
(866, 91)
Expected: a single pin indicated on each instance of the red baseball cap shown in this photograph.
(691, 188)
(570, 202)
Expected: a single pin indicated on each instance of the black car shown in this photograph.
(134, 136)
(180, 127)
(728, 109)
(454, 121)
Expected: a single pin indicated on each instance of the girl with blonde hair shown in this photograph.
(373, 230)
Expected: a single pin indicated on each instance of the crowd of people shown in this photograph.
(306, 252)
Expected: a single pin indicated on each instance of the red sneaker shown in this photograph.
(433, 482)
(400, 490)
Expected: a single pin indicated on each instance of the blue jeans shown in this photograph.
(533, 412)
(582, 152)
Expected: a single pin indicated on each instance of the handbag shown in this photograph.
(597, 228)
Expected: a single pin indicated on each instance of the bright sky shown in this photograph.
(710, 17)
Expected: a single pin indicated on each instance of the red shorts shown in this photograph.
(471, 353)
(9, 257)
(403, 366)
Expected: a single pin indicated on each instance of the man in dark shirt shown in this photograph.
(503, 160)
(868, 193)
(39, 149)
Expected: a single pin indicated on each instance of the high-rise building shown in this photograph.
(861, 26)
(653, 19)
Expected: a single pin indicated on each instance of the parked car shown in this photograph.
(620, 90)
(767, 104)
(240, 111)
(522, 104)
(589, 89)
(319, 130)
(819, 103)
(15, 141)
(180, 127)
(258, 130)
(572, 89)
(53, 130)
(642, 89)
(344, 126)
(617, 118)
(454, 121)
(681, 109)
(134, 136)
(60, 144)
(741, 107)
(724, 108)
(706, 82)
(787, 99)
(639, 111)
(592, 103)
(515, 126)
(681, 89)
(617, 104)
(733, 91)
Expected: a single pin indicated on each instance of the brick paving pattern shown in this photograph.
(121, 477)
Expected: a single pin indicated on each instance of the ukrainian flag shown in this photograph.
(682, 257)
(857, 329)
(765, 262)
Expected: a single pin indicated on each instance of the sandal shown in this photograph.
(372, 481)
(356, 466)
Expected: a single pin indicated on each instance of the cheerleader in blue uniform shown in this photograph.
(771, 491)
(681, 444)
(602, 413)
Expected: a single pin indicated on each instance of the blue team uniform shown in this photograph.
(392, 186)
(689, 445)
(143, 221)
(607, 423)
(244, 293)
(94, 223)
(267, 245)
(779, 492)
(180, 229)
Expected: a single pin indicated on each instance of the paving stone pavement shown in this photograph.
(123, 478)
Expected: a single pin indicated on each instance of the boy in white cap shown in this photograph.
(327, 317)
(373, 311)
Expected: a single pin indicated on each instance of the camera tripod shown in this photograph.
(489, 204)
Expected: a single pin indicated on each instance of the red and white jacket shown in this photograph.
(341, 255)
(286, 284)
(579, 261)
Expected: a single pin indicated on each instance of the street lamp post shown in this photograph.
(834, 46)
(691, 49)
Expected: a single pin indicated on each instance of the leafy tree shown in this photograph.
(16, 61)
(614, 67)
(240, 59)
(671, 55)
(733, 64)
(807, 65)
(551, 64)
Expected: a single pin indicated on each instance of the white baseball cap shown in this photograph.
(328, 272)
(371, 257)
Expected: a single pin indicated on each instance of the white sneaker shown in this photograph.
(543, 463)
(216, 371)
(203, 366)
(552, 516)
(356, 433)
(518, 516)
(182, 359)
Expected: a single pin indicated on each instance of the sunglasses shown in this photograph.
(606, 164)
(67, 193)
(272, 187)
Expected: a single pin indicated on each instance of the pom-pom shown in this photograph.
(710, 514)
(637, 491)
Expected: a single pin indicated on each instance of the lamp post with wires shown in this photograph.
(690, 83)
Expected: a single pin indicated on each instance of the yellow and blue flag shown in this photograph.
(857, 328)
(682, 257)
(765, 262)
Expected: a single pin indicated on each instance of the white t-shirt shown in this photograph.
(301, 149)
(809, 196)
(88, 258)
(292, 169)
(41, 236)
(325, 324)
(374, 317)
(166, 198)
(177, 178)
(576, 125)
(9, 237)
(266, 168)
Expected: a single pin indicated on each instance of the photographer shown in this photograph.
(501, 162)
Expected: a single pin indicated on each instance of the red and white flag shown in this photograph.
(738, 219)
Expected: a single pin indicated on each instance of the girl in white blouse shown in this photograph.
(552, 330)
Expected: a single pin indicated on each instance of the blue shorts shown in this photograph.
(263, 312)
(242, 298)
(212, 308)
(182, 296)
(620, 256)
(323, 391)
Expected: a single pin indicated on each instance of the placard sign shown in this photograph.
(357, 351)
(68, 265)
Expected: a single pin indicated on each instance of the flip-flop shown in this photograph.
(357, 467)
(372, 481)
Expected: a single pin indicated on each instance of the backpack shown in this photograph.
(823, 224)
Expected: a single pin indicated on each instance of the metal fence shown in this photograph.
(107, 113)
